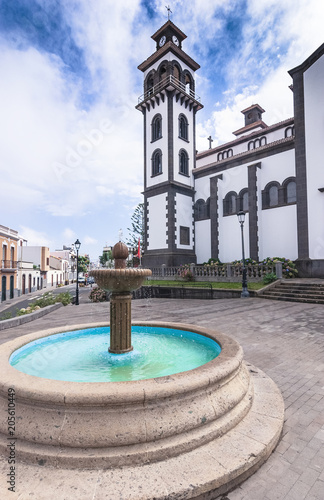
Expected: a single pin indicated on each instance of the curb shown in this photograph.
(20, 320)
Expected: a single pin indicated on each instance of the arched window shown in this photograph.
(229, 204)
(188, 84)
(257, 143)
(157, 162)
(273, 196)
(291, 192)
(289, 132)
(199, 210)
(289, 186)
(183, 162)
(202, 209)
(183, 127)
(156, 127)
(243, 200)
(176, 72)
(219, 156)
(163, 72)
(263, 141)
(230, 153)
(150, 85)
(250, 145)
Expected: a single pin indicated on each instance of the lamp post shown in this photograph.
(77, 245)
(241, 219)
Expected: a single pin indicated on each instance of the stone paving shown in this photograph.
(286, 340)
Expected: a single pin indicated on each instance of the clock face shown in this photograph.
(175, 40)
(162, 41)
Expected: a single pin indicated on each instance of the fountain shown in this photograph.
(191, 434)
(120, 282)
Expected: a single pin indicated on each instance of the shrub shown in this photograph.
(213, 262)
(269, 278)
(185, 273)
(288, 266)
(48, 299)
(6, 315)
(97, 295)
(64, 297)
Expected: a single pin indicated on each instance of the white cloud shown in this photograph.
(69, 235)
(88, 240)
(277, 24)
(35, 238)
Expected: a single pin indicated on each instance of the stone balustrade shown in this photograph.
(224, 272)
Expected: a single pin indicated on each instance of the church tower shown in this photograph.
(169, 105)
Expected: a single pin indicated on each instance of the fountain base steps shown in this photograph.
(191, 435)
(202, 473)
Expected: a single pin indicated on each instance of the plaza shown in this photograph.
(283, 339)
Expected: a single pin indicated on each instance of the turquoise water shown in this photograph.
(82, 355)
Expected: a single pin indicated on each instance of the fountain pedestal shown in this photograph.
(120, 282)
(120, 323)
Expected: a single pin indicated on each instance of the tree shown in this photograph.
(105, 257)
(83, 263)
(136, 232)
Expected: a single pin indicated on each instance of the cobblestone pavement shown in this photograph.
(286, 340)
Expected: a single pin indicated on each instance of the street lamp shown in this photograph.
(77, 245)
(241, 219)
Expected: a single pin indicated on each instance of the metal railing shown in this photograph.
(161, 85)
(9, 264)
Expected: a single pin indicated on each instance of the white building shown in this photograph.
(273, 173)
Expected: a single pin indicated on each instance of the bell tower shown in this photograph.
(169, 105)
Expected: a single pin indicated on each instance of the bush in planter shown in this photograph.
(97, 295)
(213, 262)
(269, 278)
(185, 273)
(288, 267)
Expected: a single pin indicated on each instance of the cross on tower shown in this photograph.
(169, 11)
(210, 141)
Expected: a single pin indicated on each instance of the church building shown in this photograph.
(275, 173)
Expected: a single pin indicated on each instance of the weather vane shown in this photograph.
(169, 11)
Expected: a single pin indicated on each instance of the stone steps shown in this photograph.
(312, 293)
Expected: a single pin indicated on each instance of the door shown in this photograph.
(12, 287)
(3, 288)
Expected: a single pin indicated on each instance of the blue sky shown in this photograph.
(71, 140)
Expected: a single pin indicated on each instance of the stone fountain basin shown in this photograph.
(120, 280)
(113, 424)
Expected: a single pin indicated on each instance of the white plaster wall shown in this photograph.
(314, 132)
(277, 227)
(230, 240)
(157, 237)
(184, 216)
(276, 168)
(202, 188)
(181, 144)
(278, 235)
(230, 245)
(202, 240)
(30, 254)
(159, 144)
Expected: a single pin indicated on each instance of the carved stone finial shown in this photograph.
(120, 254)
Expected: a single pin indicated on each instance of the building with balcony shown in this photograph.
(10, 241)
